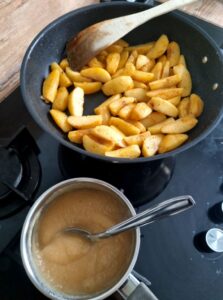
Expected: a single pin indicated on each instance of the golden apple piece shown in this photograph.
(153, 119)
(142, 76)
(123, 59)
(183, 107)
(117, 85)
(85, 122)
(76, 136)
(97, 74)
(112, 62)
(137, 139)
(106, 103)
(55, 66)
(89, 87)
(61, 100)
(76, 102)
(140, 111)
(164, 107)
(132, 151)
(166, 69)
(64, 63)
(175, 100)
(157, 70)
(196, 105)
(125, 111)
(60, 118)
(50, 86)
(76, 76)
(165, 82)
(105, 113)
(182, 60)
(173, 53)
(95, 63)
(157, 128)
(141, 61)
(186, 81)
(116, 105)
(95, 145)
(165, 93)
(138, 124)
(181, 125)
(159, 48)
(107, 133)
(138, 93)
(142, 48)
(171, 142)
(151, 145)
(64, 80)
(126, 127)
(140, 85)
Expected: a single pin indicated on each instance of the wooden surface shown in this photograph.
(21, 20)
(208, 10)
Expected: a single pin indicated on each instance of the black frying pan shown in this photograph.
(49, 46)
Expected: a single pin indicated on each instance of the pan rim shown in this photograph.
(178, 15)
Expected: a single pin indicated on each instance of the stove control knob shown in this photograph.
(221, 209)
(214, 239)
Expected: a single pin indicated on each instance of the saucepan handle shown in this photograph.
(133, 289)
(142, 292)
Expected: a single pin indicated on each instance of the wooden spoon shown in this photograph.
(90, 41)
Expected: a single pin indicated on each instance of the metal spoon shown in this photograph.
(164, 209)
(90, 41)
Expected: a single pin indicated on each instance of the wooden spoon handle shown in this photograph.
(137, 19)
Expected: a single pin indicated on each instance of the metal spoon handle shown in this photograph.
(164, 209)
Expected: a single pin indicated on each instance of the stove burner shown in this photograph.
(11, 170)
(20, 173)
(140, 182)
(200, 244)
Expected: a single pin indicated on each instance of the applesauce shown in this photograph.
(72, 264)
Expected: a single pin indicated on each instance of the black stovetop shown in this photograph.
(172, 256)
